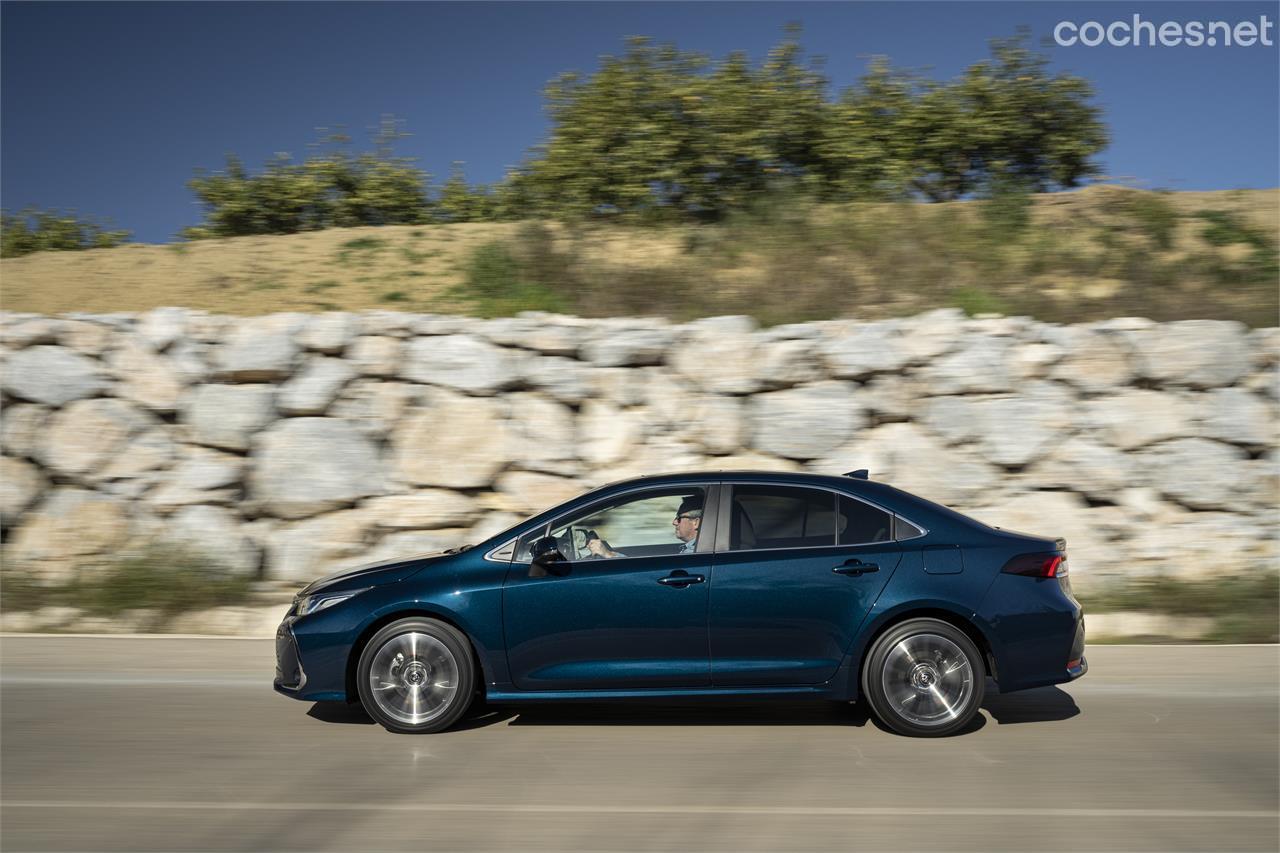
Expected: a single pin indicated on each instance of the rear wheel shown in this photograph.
(416, 675)
(924, 678)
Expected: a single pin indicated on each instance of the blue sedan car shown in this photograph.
(724, 584)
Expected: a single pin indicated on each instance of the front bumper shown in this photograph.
(291, 678)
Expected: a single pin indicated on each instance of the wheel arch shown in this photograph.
(890, 620)
(484, 674)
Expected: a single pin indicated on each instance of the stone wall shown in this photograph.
(290, 445)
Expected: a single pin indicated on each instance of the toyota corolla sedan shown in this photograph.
(712, 585)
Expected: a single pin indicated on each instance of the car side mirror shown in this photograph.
(546, 553)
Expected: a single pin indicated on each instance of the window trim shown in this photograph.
(710, 502)
(727, 487)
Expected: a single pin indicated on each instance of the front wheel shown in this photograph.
(924, 678)
(416, 675)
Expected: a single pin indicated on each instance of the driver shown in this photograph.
(687, 524)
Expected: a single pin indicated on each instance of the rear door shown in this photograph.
(796, 571)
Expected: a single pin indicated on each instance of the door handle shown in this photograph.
(856, 568)
(680, 579)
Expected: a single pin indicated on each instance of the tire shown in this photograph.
(924, 678)
(416, 676)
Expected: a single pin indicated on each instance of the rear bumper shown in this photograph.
(1039, 632)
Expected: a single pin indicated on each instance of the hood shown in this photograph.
(375, 574)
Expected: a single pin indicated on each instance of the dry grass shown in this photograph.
(1102, 251)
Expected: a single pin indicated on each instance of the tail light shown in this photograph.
(1044, 565)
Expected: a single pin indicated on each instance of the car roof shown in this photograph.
(714, 476)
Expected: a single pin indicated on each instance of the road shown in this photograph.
(180, 744)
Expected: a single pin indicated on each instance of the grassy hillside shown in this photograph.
(1104, 251)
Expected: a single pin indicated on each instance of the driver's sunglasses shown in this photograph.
(686, 517)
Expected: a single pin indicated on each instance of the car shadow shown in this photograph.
(1029, 706)
(1040, 705)
(655, 713)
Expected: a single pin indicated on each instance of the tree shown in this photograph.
(330, 188)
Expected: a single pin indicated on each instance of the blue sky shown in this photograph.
(108, 108)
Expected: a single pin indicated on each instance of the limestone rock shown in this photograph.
(858, 350)
(1095, 361)
(396, 324)
(214, 532)
(52, 375)
(1008, 430)
(626, 386)
(190, 361)
(984, 365)
(32, 331)
(789, 362)
(462, 362)
(21, 485)
(565, 379)
(1087, 467)
(376, 355)
(1195, 472)
(85, 435)
(146, 378)
(1199, 353)
(315, 387)
(261, 349)
(425, 509)
(203, 476)
(717, 423)
(606, 433)
(752, 461)
(718, 355)
(907, 457)
(1235, 415)
(22, 428)
(805, 422)
(927, 336)
(139, 466)
(163, 327)
(542, 434)
(86, 338)
(310, 549)
(228, 416)
(527, 493)
(546, 337)
(629, 347)
(305, 466)
(329, 333)
(375, 407)
(457, 442)
(1138, 417)
(417, 543)
(68, 525)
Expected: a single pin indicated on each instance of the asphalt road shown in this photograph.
(180, 744)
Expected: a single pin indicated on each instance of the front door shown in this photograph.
(799, 570)
(628, 607)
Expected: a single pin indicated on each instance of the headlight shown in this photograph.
(319, 601)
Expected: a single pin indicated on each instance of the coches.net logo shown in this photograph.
(1140, 33)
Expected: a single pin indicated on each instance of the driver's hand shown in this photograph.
(596, 546)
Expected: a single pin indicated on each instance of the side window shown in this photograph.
(861, 523)
(764, 517)
(656, 522)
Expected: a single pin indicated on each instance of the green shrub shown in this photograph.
(1245, 608)
(164, 578)
(33, 230)
(1155, 216)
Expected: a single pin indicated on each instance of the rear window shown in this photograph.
(767, 517)
(862, 523)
